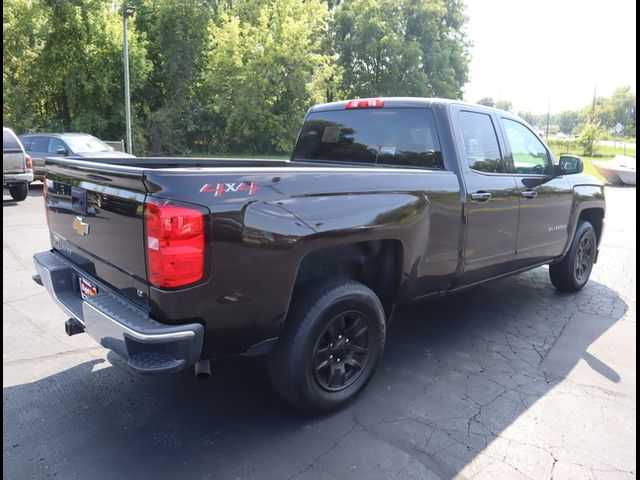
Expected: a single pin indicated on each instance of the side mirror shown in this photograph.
(61, 151)
(570, 164)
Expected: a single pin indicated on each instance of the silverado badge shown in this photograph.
(80, 227)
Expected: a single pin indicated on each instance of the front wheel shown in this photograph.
(333, 339)
(572, 273)
(19, 191)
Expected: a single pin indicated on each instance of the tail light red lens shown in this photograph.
(28, 162)
(175, 243)
(364, 103)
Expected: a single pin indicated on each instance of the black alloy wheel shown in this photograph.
(572, 273)
(584, 257)
(342, 351)
(330, 345)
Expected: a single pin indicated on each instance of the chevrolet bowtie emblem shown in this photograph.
(80, 227)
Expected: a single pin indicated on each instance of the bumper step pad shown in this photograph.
(152, 362)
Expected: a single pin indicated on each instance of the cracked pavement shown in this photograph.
(509, 380)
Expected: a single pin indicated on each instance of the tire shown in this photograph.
(19, 191)
(329, 350)
(572, 273)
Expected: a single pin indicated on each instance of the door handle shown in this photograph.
(481, 196)
(529, 194)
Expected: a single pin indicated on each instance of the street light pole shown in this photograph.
(548, 107)
(126, 13)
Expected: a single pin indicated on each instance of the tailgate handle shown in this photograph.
(79, 200)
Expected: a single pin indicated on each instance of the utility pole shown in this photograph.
(548, 107)
(127, 11)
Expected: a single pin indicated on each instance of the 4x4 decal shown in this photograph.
(221, 188)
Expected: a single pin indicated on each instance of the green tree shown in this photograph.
(220, 74)
(487, 102)
(567, 121)
(73, 53)
(591, 132)
(22, 23)
(505, 105)
(176, 120)
(620, 107)
(263, 74)
(401, 47)
(531, 119)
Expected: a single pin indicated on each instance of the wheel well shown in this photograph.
(595, 216)
(375, 264)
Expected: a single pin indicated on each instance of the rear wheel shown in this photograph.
(19, 191)
(330, 347)
(572, 273)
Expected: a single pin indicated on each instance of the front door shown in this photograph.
(491, 203)
(545, 200)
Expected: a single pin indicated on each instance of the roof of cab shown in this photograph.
(404, 102)
(57, 135)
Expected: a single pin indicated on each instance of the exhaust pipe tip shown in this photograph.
(203, 369)
(73, 327)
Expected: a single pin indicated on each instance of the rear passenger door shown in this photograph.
(546, 200)
(491, 203)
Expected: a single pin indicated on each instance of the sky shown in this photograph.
(556, 52)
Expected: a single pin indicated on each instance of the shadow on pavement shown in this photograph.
(456, 373)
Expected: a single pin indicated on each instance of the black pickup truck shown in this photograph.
(174, 262)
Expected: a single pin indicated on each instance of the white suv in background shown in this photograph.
(17, 167)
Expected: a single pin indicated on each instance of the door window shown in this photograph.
(26, 142)
(529, 154)
(40, 144)
(481, 142)
(55, 144)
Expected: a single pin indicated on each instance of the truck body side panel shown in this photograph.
(259, 239)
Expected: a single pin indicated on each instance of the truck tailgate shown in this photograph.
(13, 161)
(96, 221)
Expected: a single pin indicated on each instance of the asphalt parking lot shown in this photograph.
(511, 380)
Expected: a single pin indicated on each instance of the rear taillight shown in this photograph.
(28, 162)
(364, 103)
(175, 243)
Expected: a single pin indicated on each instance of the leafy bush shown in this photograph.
(591, 132)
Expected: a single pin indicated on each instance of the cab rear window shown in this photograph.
(388, 136)
(9, 141)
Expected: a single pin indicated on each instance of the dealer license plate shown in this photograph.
(87, 289)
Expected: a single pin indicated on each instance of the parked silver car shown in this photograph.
(17, 167)
(43, 145)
